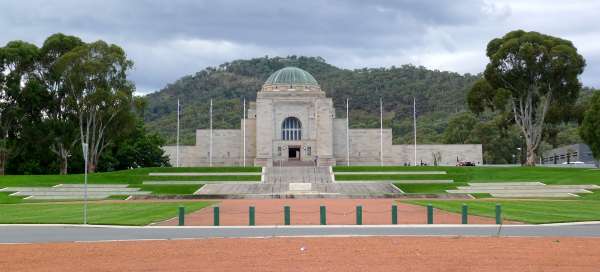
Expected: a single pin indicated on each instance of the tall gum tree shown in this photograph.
(98, 92)
(528, 73)
(60, 117)
(590, 127)
(17, 65)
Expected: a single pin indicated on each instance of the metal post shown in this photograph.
(347, 135)
(210, 151)
(181, 216)
(394, 214)
(286, 215)
(85, 182)
(498, 214)
(415, 126)
(323, 213)
(429, 214)
(251, 221)
(244, 133)
(359, 215)
(178, 106)
(465, 214)
(216, 215)
(380, 131)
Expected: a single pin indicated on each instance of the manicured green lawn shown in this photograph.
(462, 175)
(529, 211)
(101, 213)
(133, 177)
(171, 189)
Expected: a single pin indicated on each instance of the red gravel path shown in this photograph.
(306, 212)
(319, 254)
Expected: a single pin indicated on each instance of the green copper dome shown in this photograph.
(292, 76)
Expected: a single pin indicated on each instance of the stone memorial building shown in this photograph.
(293, 122)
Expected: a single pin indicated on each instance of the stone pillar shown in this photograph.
(264, 132)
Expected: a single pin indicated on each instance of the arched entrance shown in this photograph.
(291, 130)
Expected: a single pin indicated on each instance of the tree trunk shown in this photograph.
(64, 163)
(91, 167)
(531, 157)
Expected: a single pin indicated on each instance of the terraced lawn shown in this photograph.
(529, 211)
(99, 213)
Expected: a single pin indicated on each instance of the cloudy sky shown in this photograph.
(170, 39)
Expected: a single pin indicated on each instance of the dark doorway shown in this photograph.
(293, 153)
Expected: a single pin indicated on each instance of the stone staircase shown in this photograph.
(298, 174)
(298, 181)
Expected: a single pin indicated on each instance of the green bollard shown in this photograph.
(359, 215)
(429, 214)
(465, 214)
(181, 215)
(323, 212)
(286, 215)
(498, 214)
(251, 216)
(216, 215)
(394, 214)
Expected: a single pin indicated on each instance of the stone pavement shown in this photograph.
(524, 189)
(299, 181)
(74, 191)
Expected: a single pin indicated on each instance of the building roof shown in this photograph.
(291, 76)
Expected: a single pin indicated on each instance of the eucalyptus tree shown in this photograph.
(99, 93)
(590, 127)
(60, 118)
(17, 65)
(528, 73)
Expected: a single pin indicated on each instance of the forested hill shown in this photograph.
(439, 95)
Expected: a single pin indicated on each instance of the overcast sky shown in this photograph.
(170, 39)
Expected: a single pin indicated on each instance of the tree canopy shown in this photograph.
(66, 93)
(590, 127)
(529, 73)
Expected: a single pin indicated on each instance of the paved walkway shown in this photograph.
(74, 233)
(301, 181)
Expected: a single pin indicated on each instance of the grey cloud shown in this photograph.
(170, 39)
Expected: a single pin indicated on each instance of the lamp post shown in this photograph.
(85, 183)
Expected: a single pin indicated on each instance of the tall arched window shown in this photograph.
(291, 129)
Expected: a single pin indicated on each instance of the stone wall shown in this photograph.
(365, 147)
(448, 154)
(227, 148)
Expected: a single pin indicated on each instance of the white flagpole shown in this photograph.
(347, 135)
(210, 151)
(415, 126)
(380, 131)
(177, 165)
(244, 132)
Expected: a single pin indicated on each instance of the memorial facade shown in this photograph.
(292, 121)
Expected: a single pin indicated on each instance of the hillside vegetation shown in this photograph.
(440, 96)
(437, 94)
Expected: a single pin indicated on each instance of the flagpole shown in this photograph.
(244, 132)
(347, 135)
(415, 126)
(177, 165)
(380, 131)
(210, 151)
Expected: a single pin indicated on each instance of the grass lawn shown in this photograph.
(100, 213)
(133, 177)
(462, 175)
(529, 211)
(171, 189)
